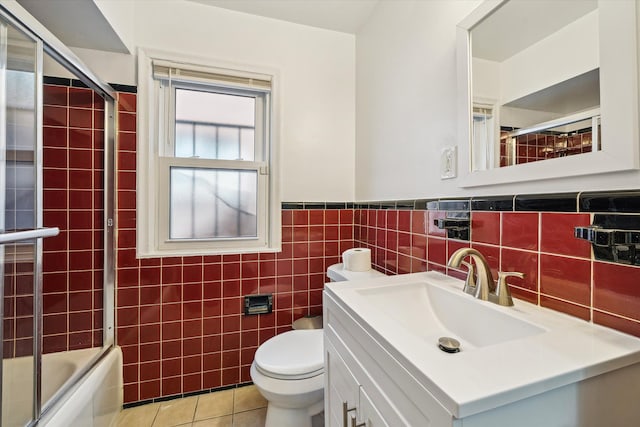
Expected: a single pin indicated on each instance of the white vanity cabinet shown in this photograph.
(343, 391)
(369, 415)
(377, 390)
(383, 384)
(347, 399)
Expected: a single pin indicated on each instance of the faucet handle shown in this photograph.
(470, 282)
(502, 290)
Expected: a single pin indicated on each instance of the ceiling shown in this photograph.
(79, 23)
(346, 16)
(76, 23)
(575, 94)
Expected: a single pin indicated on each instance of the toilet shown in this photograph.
(288, 369)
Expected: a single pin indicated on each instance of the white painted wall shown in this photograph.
(406, 98)
(317, 82)
(406, 107)
(401, 66)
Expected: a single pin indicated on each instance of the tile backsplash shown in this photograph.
(560, 272)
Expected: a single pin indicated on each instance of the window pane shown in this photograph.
(214, 125)
(212, 203)
(228, 143)
(184, 140)
(247, 145)
(206, 137)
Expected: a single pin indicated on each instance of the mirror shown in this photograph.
(548, 88)
(530, 104)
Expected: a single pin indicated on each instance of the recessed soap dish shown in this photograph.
(258, 304)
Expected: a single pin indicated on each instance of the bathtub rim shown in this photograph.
(79, 377)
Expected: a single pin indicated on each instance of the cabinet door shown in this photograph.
(341, 387)
(368, 413)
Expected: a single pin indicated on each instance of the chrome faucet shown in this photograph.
(483, 287)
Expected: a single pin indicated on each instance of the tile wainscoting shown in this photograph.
(180, 321)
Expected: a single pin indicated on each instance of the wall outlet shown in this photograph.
(449, 162)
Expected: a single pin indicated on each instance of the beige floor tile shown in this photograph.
(226, 421)
(176, 412)
(247, 398)
(254, 418)
(213, 405)
(139, 416)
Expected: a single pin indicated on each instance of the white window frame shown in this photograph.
(155, 147)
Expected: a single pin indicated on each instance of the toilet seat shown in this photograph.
(292, 355)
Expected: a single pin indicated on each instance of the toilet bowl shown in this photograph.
(288, 369)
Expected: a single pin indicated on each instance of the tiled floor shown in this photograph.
(240, 407)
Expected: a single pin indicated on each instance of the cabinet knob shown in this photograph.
(345, 413)
(354, 423)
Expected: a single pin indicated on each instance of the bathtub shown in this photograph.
(94, 400)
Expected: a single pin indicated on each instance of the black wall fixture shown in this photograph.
(614, 238)
(457, 225)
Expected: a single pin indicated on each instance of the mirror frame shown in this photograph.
(618, 53)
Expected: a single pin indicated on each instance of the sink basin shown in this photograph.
(431, 311)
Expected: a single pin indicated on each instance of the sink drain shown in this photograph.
(449, 345)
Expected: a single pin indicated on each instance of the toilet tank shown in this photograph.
(337, 273)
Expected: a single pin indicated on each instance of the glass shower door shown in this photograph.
(20, 242)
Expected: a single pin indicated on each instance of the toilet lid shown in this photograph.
(292, 355)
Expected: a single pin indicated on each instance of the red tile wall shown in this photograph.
(73, 139)
(73, 260)
(18, 301)
(560, 273)
(180, 320)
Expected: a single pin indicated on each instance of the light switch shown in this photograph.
(448, 162)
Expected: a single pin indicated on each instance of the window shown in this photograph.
(206, 159)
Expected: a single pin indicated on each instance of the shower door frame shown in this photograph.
(15, 15)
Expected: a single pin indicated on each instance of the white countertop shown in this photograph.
(473, 381)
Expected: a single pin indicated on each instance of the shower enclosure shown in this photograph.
(56, 221)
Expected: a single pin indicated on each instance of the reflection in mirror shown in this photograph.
(535, 82)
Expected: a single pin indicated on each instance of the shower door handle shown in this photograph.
(38, 233)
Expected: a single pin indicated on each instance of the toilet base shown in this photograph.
(291, 403)
(289, 417)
